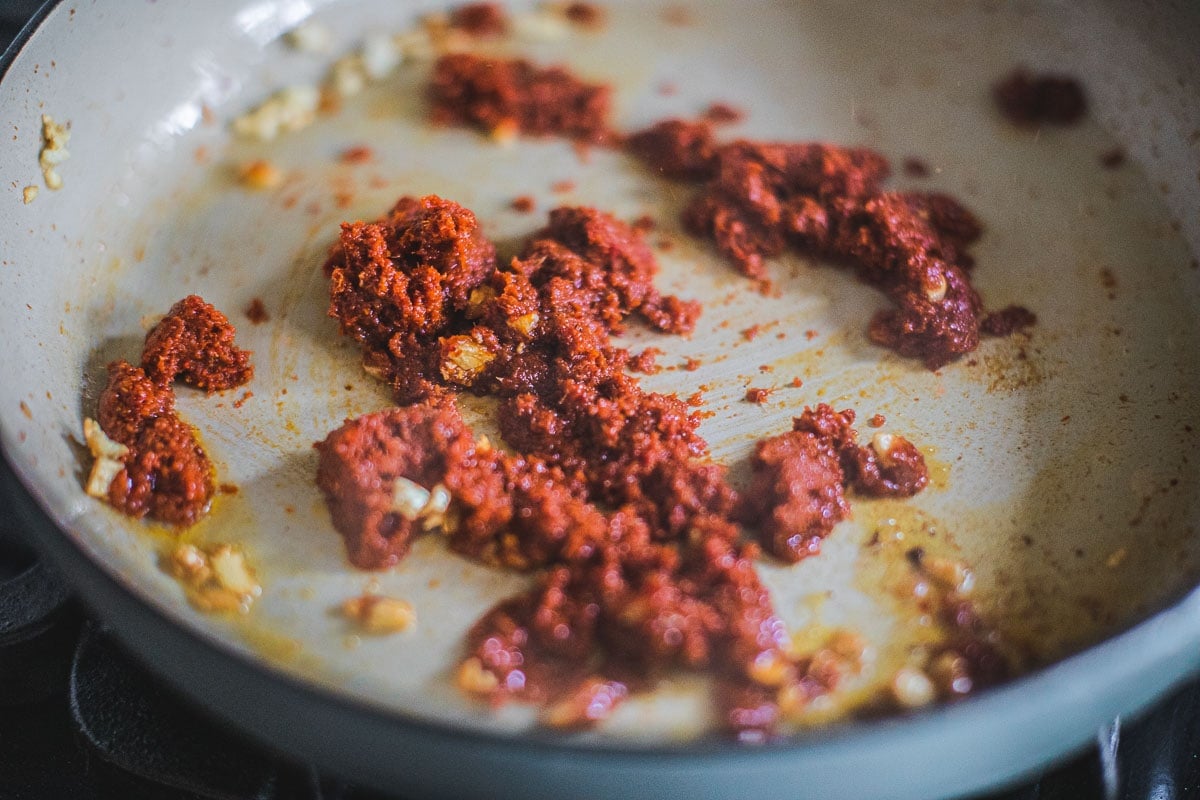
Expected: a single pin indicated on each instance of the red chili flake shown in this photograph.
(751, 333)
(692, 364)
(359, 154)
(228, 488)
(765, 368)
(810, 334)
(241, 401)
(724, 113)
(877, 421)
(562, 187)
(797, 383)
(256, 312)
(523, 204)
(915, 168)
(758, 396)
(695, 399)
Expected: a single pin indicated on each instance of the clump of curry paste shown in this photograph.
(759, 199)
(796, 493)
(507, 97)
(607, 491)
(159, 468)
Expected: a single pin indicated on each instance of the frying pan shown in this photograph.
(1064, 462)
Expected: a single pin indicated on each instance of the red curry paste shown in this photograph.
(517, 96)
(167, 475)
(610, 495)
(760, 198)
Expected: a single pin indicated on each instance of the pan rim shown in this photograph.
(1163, 642)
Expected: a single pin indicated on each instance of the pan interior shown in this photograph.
(1064, 461)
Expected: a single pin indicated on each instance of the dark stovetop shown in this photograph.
(79, 720)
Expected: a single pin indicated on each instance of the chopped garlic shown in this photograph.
(380, 55)
(912, 688)
(230, 569)
(108, 457)
(434, 512)
(29, 194)
(479, 297)
(189, 563)
(525, 323)
(770, 669)
(310, 37)
(216, 577)
(936, 291)
(414, 502)
(882, 443)
(54, 151)
(408, 498)
(289, 109)
(99, 443)
(465, 360)
(416, 45)
(379, 615)
(375, 370)
(104, 472)
(348, 76)
(473, 678)
(543, 25)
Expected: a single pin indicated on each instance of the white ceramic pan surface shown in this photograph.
(1065, 461)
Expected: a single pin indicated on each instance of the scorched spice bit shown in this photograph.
(1029, 99)
(480, 19)
(760, 198)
